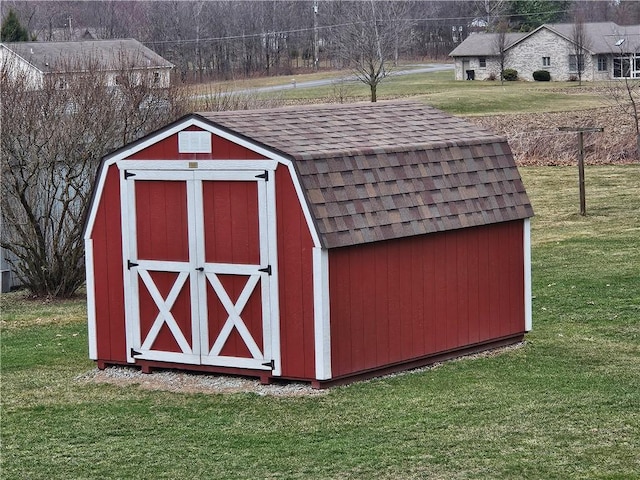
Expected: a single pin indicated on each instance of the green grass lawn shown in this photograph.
(564, 405)
(440, 90)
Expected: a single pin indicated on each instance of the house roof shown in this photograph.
(110, 55)
(379, 171)
(601, 38)
(484, 44)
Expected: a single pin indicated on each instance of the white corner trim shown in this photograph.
(322, 330)
(528, 315)
(91, 300)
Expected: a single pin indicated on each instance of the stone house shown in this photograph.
(610, 51)
(61, 62)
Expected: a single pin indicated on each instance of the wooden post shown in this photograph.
(581, 131)
(583, 201)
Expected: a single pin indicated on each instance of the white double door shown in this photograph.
(199, 267)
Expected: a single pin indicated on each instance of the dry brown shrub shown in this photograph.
(535, 140)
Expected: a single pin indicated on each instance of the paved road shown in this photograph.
(422, 68)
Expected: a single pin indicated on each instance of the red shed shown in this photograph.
(317, 243)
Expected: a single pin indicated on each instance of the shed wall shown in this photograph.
(295, 279)
(399, 300)
(108, 278)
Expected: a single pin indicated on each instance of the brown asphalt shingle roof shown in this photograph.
(379, 171)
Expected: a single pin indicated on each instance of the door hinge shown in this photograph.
(133, 353)
(131, 264)
(128, 174)
(264, 176)
(266, 270)
(270, 363)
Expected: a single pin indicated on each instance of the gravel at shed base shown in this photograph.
(190, 382)
(193, 382)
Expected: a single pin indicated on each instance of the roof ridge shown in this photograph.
(422, 146)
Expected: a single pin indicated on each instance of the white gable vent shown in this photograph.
(194, 142)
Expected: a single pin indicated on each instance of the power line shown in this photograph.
(325, 27)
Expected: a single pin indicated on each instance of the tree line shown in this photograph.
(232, 39)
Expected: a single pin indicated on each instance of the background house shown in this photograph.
(611, 51)
(60, 62)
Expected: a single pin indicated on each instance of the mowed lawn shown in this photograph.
(566, 404)
(438, 89)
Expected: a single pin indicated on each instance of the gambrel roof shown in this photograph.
(600, 39)
(112, 55)
(378, 171)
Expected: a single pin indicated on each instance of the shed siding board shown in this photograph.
(295, 270)
(380, 314)
(109, 283)
(440, 292)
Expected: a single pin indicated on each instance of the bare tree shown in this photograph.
(500, 46)
(581, 44)
(51, 143)
(491, 10)
(369, 41)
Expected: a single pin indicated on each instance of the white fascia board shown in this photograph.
(321, 314)
(528, 314)
(197, 165)
(91, 300)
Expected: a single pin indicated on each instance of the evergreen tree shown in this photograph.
(12, 30)
(527, 15)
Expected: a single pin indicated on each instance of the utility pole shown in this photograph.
(581, 131)
(315, 35)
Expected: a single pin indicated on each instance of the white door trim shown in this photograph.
(198, 274)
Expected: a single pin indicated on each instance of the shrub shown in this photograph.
(510, 74)
(541, 76)
(492, 76)
(573, 78)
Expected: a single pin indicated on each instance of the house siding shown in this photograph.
(526, 57)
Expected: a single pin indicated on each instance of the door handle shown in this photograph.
(200, 269)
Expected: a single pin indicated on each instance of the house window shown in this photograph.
(62, 84)
(576, 62)
(602, 63)
(546, 61)
(483, 62)
(156, 78)
(626, 67)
